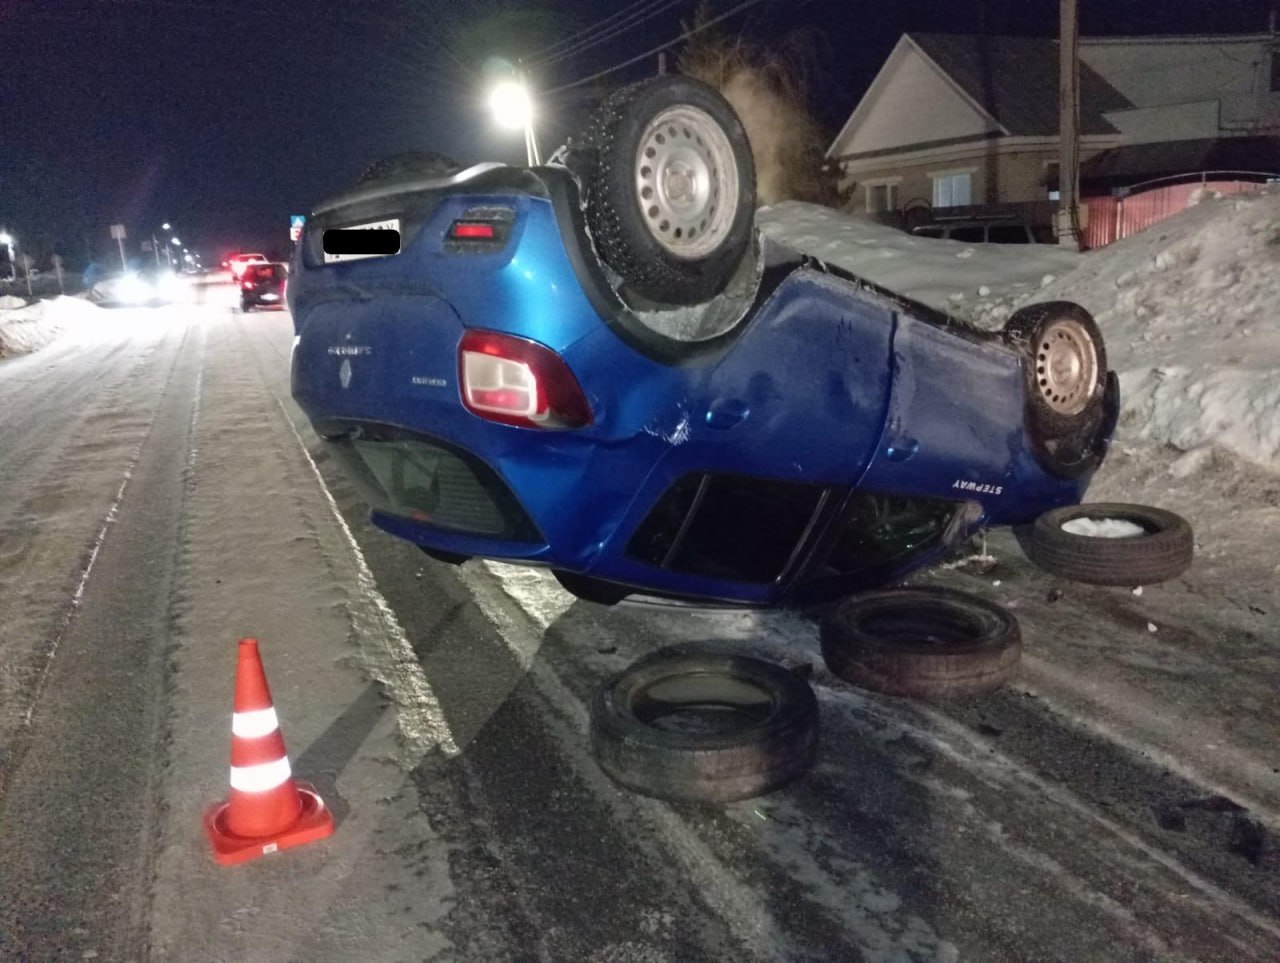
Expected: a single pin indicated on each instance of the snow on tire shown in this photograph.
(1111, 543)
(921, 642)
(704, 726)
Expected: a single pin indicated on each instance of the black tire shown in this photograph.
(590, 589)
(449, 558)
(1164, 552)
(750, 726)
(1060, 336)
(926, 643)
(414, 163)
(668, 233)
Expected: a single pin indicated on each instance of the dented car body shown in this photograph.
(493, 394)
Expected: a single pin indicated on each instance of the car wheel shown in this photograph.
(671, 192)
(449, 558)
(414, 163)
(590, 589)
(704, 726)
(922, 642)
(1109, 543)
(1066, 366)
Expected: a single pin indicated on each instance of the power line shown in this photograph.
(584, 32)
(649, 53)
(608, 34)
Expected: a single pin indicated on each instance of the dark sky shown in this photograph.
(223, 117)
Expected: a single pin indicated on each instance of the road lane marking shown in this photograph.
(421, 718)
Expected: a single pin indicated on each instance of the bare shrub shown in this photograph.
(767, 89)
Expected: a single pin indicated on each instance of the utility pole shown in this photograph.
(1068, 225)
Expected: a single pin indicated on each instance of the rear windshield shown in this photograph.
(265, 272)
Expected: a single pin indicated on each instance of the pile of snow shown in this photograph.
(971, 281)
(1190, 308)
(29, 327)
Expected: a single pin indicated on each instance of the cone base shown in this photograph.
(315, 822)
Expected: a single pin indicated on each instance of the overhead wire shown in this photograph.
(656, 7)
(584, 32)
(649, 53)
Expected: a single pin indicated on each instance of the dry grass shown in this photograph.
(767, 89)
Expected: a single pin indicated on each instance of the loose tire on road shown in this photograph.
(671, 190)
(704, 726)
(1163, 552)
(921, 642)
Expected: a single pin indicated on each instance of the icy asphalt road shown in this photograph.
(161, 497)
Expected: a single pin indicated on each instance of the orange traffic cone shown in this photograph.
(267, 810)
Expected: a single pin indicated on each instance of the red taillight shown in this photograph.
(519, 382)
(473, 231)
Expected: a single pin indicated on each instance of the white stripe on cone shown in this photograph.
(255, 724)
(261, 778)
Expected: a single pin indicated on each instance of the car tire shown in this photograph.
(670, 191)
(704, 726)
(410, 164)
(1164, 552)
(1065, 361)
(590, 589)
(925, 643)
(449, 558)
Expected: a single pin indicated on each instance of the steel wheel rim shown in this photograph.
(686, 182)
(1066, 367)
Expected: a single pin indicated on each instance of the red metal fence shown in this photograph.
(1111, 218)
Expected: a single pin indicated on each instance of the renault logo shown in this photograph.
(344, 373)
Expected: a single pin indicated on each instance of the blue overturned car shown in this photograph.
(599, 366)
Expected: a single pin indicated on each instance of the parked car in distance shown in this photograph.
(263, 286)
(988, 232)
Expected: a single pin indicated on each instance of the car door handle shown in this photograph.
(726, 412)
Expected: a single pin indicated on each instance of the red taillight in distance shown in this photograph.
(518, 382)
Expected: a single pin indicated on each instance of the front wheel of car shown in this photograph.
(921, 642)
(671, 192)
(1111, 543)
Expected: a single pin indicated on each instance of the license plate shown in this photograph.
(391, 224)
(271, 297)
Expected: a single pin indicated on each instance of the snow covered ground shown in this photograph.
(28, 327)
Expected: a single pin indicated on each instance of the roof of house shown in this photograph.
(1124, 165)
(1015, 79)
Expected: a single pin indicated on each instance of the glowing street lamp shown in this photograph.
(8, 240)
(512, 108)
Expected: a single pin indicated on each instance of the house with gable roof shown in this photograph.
(967, 124)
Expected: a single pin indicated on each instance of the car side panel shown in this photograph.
(954, 426)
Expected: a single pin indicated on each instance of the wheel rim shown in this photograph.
(1066, 367)
(686, 181)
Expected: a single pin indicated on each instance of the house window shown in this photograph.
(882, 197)
(951, 190)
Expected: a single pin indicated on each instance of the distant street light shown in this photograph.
(8, 240)
(166, 226)
(176, 242)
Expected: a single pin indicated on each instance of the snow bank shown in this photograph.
(29, 327)
(1190, 307)
(1191, 313)
(972, 281)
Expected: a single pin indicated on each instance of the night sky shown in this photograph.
(224, 117)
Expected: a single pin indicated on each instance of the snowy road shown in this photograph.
(160, 497)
